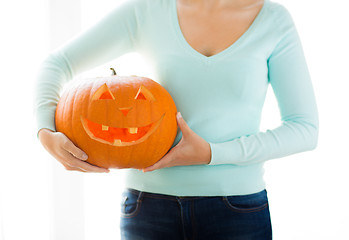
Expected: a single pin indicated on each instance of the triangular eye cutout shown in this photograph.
(144, 94)
(140, 96)
(106, 95)
(103, 93)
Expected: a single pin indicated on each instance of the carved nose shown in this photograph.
(125, 110)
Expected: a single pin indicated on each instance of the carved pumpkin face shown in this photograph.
(119, 121)
(122, 135)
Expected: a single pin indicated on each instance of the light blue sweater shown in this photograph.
(220, 97)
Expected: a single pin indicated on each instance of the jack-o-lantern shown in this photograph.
(119, 121)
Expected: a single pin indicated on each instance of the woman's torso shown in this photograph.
(219, 96)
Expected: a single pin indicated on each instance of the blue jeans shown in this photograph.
(149, 216)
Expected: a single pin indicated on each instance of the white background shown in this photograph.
(308, 192)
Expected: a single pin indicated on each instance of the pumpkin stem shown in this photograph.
(113, 73)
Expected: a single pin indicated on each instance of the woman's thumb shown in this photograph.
(75, 151)
(182, 124)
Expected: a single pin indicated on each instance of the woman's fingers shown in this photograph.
(72, 149)
(69, 168)
(74, 163)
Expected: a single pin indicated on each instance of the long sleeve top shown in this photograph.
(220, 97)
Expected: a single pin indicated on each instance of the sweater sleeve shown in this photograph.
(111, 37)
(289, 77)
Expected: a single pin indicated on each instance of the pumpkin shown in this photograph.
(119, 121)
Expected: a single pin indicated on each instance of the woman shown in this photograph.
(216, 59)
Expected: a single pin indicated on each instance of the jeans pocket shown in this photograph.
(130, 203)
(247, 203)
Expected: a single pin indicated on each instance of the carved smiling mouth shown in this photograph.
(116, 136)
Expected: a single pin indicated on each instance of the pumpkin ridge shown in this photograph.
(72, 117)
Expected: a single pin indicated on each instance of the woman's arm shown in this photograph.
(111, 37)
(291, 83)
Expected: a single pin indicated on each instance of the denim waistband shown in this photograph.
(171, 197)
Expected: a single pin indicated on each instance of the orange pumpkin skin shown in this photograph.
(119, 121)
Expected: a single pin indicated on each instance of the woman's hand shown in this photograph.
(64, 150)
(191, 150)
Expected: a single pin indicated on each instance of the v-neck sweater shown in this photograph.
(220, 97)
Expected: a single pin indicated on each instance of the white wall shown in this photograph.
(309, 191)
(23, 168)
